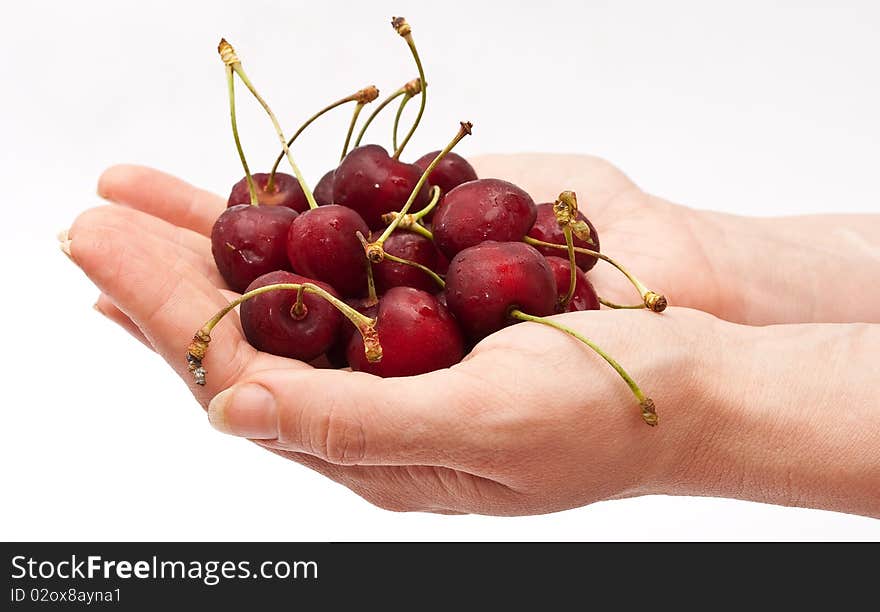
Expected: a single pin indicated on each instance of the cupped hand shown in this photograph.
(532, 421)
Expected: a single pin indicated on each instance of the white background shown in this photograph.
(747, 107)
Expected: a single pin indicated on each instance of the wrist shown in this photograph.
(785, 418)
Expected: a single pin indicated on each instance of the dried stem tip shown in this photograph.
(367, 94)
(413, 88)
(566, 210)
(227, 53)
(401, 26)
(195, 353)
(649, 412)
(656, 301)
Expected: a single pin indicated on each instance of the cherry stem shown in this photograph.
(405, 31)
(227, 53)
(365, 325)
(299, 309)
(371, 281)
(378, 110)
(463, 131)
(652, 300)
(355, 97)
(252, 189)
(411, 220)
(649, 413)
(400, 108)
(354, 117)
(425, 269)
(616, 306)
(572, 264)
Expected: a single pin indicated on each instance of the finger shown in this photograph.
(193, 247)
(161, 292)
(161, 195)
(596, 181)
(106, 307)
(398, 489)
(350, 418)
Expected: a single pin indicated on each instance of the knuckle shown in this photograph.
(339, 437)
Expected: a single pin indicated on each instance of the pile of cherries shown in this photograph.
(396, 268)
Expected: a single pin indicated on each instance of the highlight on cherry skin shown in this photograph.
(395, 268)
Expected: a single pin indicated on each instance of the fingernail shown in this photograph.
(62, 236)
(247, 410)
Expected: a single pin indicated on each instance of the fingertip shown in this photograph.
(114, 176)
(245, 410)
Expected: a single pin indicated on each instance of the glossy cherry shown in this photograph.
(452, 171)
(322, 243)
(285, 192)
(337, 355)
(585, 297)
(417, 333)
(547, 229)
(249, 241)
(373, 183)
(324, 189)
(486, 281)
(480, 210)
(271, 325)
(412, 247)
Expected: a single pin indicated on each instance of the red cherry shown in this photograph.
(417, 335)
(324, 189)
(452, 171)
(585, 297)
(415, 248)
(285, 192)
(322, 243)
(373, 183)
(337, 354)
(271, 326)
(547, 229)
(486, 281)
(481, 210)
(249, 241)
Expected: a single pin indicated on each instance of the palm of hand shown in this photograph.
(464, 439)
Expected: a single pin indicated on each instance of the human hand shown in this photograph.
(458, 440)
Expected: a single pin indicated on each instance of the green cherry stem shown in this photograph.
(371, 280)
(411, 220)
(412, 86)
(464, 130)
(646, 404)
(400, 108)
(616, 306)
(198, 348)
(403, 28)
(230, 84)
(354, 117)
(440, 282)
(654, 301)
(572, 265)
(362, 96)
(227, 53)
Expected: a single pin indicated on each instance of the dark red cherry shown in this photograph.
(486, 281)
(373, 183)
(481, 210)
(271, 326)
(324, 189)
(249, 241)
(585, 297)
(285, 192)
(547, 229)
(322, 243)
(417, 335)
(452, 171)
(337, 355)
(413, 247)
